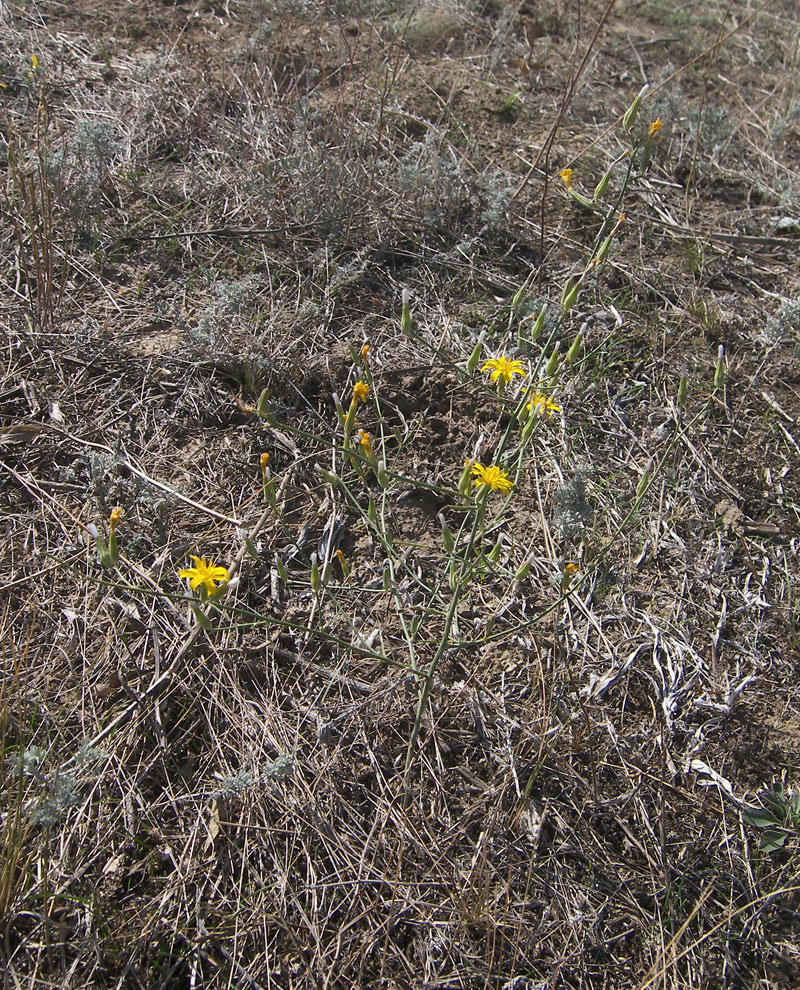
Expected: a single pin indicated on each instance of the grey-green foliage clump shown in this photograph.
(110, 482)
(573, 512)
(60, 789)
(79, 169)
(62, 792)
(787, 125)
(432, 175)
(235, 298)
(785, 322)
(670, 105)
(235, 784)
(495, 194)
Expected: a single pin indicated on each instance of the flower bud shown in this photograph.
(494, 554)
(465, 481)
(601, 187)
(405, 315)
(633, 110)
(538, 324)
(574, 351)
(524, 569)
(329, 476)
(602, 252)
(447, 535)
(552, 365)
(475, 356)
(569, 295)
(316, 577)
(719, 371)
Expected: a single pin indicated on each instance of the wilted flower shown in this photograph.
(655, 127)
(566, 175)
(366, 442)
(360, 392)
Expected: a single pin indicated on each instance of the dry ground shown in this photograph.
(424, 771)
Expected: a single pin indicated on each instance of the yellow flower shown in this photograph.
(655, 127)
(34, 61)
(503, 370)
(541, 405)
(360, 392)
(115, 518)
(205, 573)
(364, 353)
(566, 175)
(264, 462)
(366, 442)
(491, 477)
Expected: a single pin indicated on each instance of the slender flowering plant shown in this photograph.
(360, 393)
(205, 574)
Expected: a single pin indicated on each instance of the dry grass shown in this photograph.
(429, 771)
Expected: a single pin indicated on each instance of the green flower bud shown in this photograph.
(316, 577)
(569, 295)
(405, 316)
(574, 351)
(475, 356)
(633, 110)
(601, 187)
(538, 324)
(719, 371)
(523, 570)
(552, 365)
(447, 535)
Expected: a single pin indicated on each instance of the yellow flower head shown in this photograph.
(655, 127)
(34, 61)
(205, 573)
(566, 175)
(360, 392)
(364, 353)
(492, 477)
(504, 370)
(115, 518)
(571, 569)
(541, 405)
(366, 442)
(264, 462)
